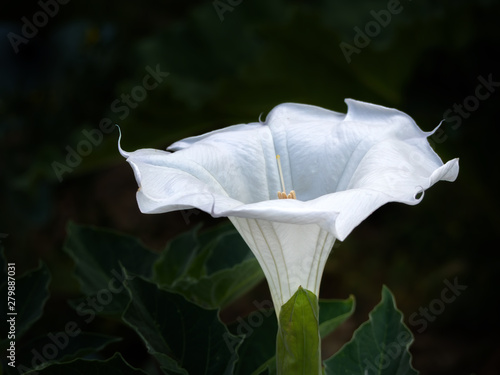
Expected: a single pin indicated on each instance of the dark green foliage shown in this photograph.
(180, 333)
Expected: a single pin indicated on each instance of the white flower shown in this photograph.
(341, 167)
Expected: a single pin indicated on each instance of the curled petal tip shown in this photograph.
(124, 153)
(436, 128)
(419, 195)
(260, 119)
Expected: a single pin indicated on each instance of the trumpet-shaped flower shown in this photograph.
(341, 168)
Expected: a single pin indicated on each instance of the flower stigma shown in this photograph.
(283, 194)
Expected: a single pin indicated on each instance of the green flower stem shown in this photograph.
(298, 344)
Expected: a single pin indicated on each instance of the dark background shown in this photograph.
(228, 68)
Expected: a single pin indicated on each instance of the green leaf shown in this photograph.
(333, 313)
(31, 294)
(298, 346)
(184, 338)
(115, 365)
(210, 269)
(59, 347)
(99, 255)
(259, 329)
(379, 346)
(175, 261)
(228, 248)
(222, 287)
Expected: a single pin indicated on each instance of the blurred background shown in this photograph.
(171, 69)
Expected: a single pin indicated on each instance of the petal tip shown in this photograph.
(123, 153)
(419, 194)
(428, 134)
(262, 122)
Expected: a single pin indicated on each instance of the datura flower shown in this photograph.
(295, 183)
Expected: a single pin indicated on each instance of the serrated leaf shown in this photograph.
(379, 346)
(182, 336)
(298, 343)
(58, 347)
(31, 294)
(99, 255)
(115, 365)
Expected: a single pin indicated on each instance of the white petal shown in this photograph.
(320, 149)
(304, 138)
(342, 168)
(188, 142)
(237, 163)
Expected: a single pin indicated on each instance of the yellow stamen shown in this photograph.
(284, 195)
